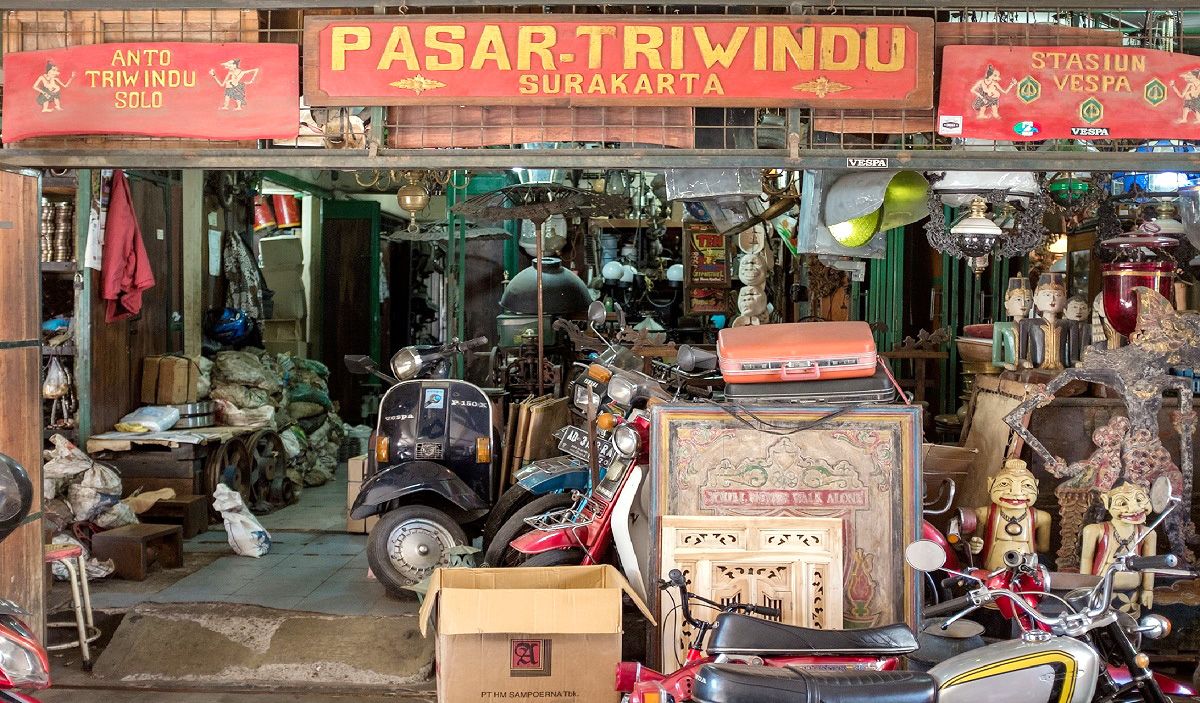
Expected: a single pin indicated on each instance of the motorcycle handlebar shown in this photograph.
(473, 343)
(763, 610)
(951, 606)
(1158, 561)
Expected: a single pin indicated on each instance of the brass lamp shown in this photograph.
(413, 197)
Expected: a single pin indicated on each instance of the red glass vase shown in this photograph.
(1121, 277)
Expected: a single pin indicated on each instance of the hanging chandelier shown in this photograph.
(1019, 232)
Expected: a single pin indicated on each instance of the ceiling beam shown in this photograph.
(443, 5)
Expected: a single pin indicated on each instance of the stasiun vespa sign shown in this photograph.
(800, 61)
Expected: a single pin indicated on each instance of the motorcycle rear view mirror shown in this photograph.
(925, 556)
(597, 314)
(1161, 495)
(690, 359)
(16, 495)
(359, 364)
(620, 316)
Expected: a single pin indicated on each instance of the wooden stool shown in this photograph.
(72, 559)
(134, 547)
(188, 511)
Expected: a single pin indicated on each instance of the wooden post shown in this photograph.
(21, 568)
(195, 234)
(83, 304)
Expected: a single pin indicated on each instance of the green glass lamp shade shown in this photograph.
(563, 293)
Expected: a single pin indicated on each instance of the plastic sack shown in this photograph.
(245, 369)
(118, 515)
(142, 501)
(304, 393)
(95, 569)
(97, 489)
(149, 418)
(245, 397)
(304, 409)
(247, 536)
(233, 416)
(314, 366)
(294, 441)
(56, 384)
(204, 384)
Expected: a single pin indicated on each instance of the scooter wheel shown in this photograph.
(407, 544)
(498, 552)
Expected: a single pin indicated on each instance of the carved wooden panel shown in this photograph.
(794, 564)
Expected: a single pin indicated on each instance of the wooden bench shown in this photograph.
(188, 511)
(134, 547)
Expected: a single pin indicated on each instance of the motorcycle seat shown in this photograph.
(731, 683)
(734, 633)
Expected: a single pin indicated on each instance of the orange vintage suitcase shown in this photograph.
(798, 351)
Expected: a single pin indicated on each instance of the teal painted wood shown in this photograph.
(364, 210)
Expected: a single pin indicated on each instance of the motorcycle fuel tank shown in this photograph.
(1056, 670)
(442, 421)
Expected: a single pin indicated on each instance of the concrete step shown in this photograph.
(230, 645)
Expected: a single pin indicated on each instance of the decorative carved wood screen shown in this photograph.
(794, 564)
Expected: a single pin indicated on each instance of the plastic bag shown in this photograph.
(95, 569)
(56, 384)
(204, 384)
(294, 441)
(303, 409)
(149, 418)
(245, 397)
(233, 416)
(118, 515)
(247, 536)
(98, 489)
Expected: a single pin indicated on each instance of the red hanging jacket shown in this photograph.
(124, 267)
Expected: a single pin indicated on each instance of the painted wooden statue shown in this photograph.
(1018, 301)
(1010, 522)
(1041, 340)
(1128, 505)
(1079, 329)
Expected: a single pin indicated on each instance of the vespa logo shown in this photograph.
(1029, 89)
(1155, 93)
(1091, 111)
(529, 657)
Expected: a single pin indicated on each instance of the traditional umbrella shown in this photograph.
(537, 202)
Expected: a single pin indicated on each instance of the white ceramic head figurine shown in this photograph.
(751, 270)
(752, 301)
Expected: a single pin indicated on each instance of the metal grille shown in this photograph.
(749, 135)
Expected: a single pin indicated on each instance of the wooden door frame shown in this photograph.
(361, 210)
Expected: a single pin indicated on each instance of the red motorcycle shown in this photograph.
(23, 661)
(739, 638)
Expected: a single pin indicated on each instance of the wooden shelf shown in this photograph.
(59, 186)
(61, 350)
(58, 267)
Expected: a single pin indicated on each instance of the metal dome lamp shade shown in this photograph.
(563, 293)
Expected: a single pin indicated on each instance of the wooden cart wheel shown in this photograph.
(229, 464)
(270, 459)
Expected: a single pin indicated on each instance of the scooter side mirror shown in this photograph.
(620, 316)
(925, 555)
(16, 495)
(359, 364)
(1161, 495)
(597, 313)
(689, 359)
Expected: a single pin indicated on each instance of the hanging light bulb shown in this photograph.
(412, 197)
(976, 232)
(675, 273)
(612, 271)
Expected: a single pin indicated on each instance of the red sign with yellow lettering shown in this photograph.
(602, 60)
(162, 89)
(1068, 92)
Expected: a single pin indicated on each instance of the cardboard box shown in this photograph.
(546, 634)
(284, 277)
(285, 330)
(296, 349)
(289, 303)
(280, 250)
(169, 380)
(361, 527)
(356, 468)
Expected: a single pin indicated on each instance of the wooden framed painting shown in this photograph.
(861, 466)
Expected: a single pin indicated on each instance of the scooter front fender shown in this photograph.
(413, 478)
(539, 542)
(560, 473)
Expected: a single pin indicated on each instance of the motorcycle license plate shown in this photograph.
(574, 441)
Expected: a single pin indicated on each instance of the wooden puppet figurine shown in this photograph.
(1078, 329)
(1128, 505)
(1010, 522)
(1041, 339)
(1018, 301)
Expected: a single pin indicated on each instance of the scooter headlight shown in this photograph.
(406, 364)
(584, 397)
(22, 661)
(626, 441)
(621, 390)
